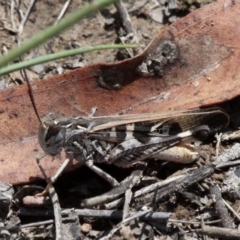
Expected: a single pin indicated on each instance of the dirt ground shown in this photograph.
(147, 17)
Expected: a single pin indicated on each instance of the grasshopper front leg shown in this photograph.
(53, 179)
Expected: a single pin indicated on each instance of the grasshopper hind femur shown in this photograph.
(51, 135)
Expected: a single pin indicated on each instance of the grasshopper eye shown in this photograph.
(51, 137)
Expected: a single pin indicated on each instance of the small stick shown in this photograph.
(108, 214)
(128, 198)
(127, 24)
(217, 232)
(126, 20)
(63, 11)
(25, 17)
(232, 210)
(228, 164)
(229, 155)
(125, 221)
(54, 198)
(218, 137)
(57, 213)
(220, 207)
(230, 135)
(202, 225)
(192, 222)
(12, 15)
(37, 224)
(114, 193)
(143, 191)
(179, 185)
(136, 177)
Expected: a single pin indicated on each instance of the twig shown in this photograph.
(218, 137)
(220, 207)
(21, 15)
(143, 191)
(127, 24)
(202, 226)
(136, 177)
(179, 185)
(229, 155)
(126, 20)
(57, 213)
(108, 214)
(228, 164)
(37, 224)
(232, 210)
(192, 222)
(230, 135)
(125, 221)
(20, 28)
(63, 11)
(54, 198)
(114, 193)
(128, 197)
(12, 15)
(217, 232)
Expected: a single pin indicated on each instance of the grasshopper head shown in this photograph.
(51, 134)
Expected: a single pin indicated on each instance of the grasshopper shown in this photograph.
(125, 140)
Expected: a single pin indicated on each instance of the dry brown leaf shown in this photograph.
(205, 72)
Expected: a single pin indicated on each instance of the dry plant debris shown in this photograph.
(160, 200)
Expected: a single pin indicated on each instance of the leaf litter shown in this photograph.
(203, 61)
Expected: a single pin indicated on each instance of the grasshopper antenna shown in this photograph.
(30, 92)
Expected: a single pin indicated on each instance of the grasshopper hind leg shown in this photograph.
(101, 173)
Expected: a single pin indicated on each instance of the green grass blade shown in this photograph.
(54, 30)
(62, 54)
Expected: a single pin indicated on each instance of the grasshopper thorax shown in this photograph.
(51, 134)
